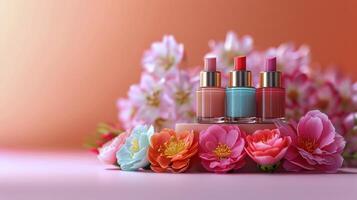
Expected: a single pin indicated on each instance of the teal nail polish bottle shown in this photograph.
(240, 95)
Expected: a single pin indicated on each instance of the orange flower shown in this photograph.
(170, 151)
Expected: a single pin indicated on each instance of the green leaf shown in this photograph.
(269, 168)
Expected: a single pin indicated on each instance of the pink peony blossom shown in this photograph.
(222, 148)
(267, 147)
(315, 144)
(107, 153)
(328, 100)
(325, 90)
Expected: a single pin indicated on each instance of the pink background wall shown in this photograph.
(64, 63)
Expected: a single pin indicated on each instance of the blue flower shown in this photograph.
(133, 155)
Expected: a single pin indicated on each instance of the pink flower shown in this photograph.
(107, 154)
(290, 59)
(163, 57)
(182, 90)
(326, 98)
(226, 50)
(350, 122)
(299, 89)
(127, 111)
(229, 48)
(343, 96)
(350, 127)
(354, 94)
(340, 95)
(315, 144)
(152, 102)
(255, 63)
(222, 148)
(267, 147)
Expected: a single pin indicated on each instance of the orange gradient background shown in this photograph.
(63, 64)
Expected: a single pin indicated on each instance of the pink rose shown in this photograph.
(315, 144)
(267, 147)
(107, 153)
(222, 148)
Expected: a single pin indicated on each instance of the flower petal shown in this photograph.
(163, 161)
(180, 164)
(157, 169)
(311, 129)
(288, 166)
(231, 138)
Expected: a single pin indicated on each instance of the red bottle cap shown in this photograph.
(240, 63)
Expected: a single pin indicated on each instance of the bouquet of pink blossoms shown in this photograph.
(311, 145)
(165, 94)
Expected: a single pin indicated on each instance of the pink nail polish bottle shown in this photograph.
(210, 97)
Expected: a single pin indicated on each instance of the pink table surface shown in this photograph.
(78, 175)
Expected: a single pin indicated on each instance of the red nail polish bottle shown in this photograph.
(271, 94)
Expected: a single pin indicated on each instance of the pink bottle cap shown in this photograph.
(270, 64)
(210, 64)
